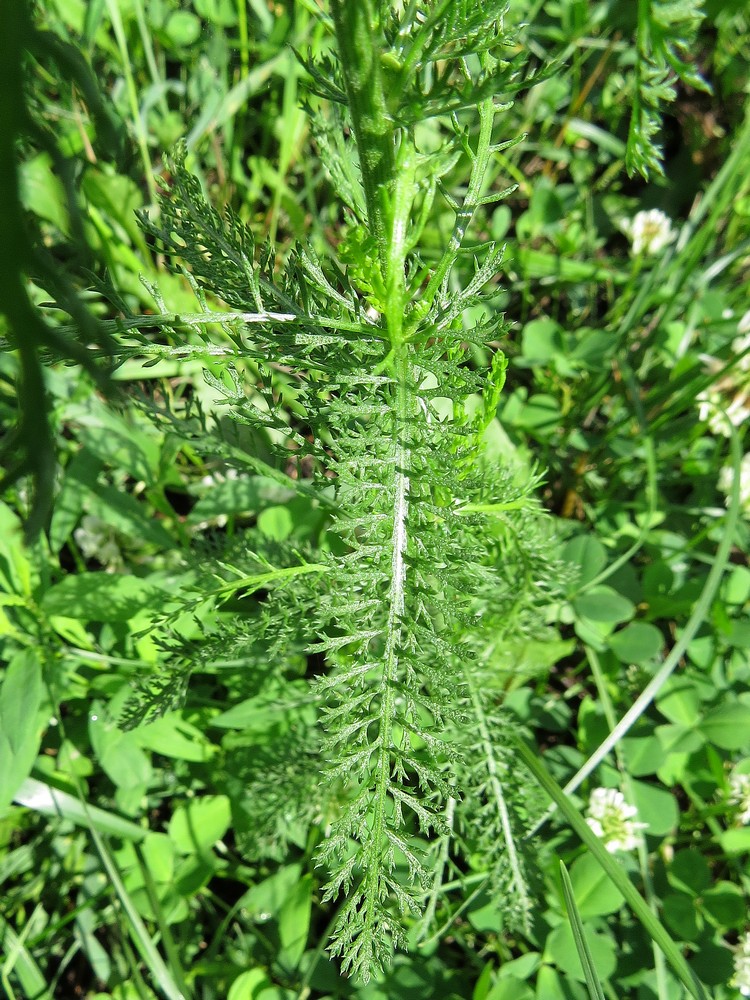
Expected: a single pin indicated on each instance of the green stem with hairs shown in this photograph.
(357, 34)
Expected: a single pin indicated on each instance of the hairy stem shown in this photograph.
(357, 32)
(396, 604)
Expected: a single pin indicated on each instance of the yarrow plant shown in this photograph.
(432, 555)
(370, 375)
(614, 821)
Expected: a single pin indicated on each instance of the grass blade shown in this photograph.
(633, 898)
(595, 989)
(18, 959)
(49, 801)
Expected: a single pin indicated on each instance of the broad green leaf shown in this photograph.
(263, 711)
(522, 968)
(589, 557)
(15, 567)
(643, 754)
(550, 985)
(725, 903)
(148, 877)
(689, 871)
(680, 702)
(78, 481)
(728, 726)
(739, 634)
(294, 922)
(172, 736)
(510, 988)
(276, 522)
(533, 263)
(119, 197)
(485, 915)
(253, 984)
(18, 958)
(126, 515)
(592, 348)
(119, 755)
(118, 441)
(657, 807)
(218, 12)
(603, 604)
(541, 340)
(678, 739)
(102, 597)
(681, 915)
(483, 984)
(245, 495)
(539, 413)
(22, 696)
(638, 642)
(43, 192)
(266, 899)
(714, 964)
(594, 892)
(736, 586)
(197, 825)
(193, 873)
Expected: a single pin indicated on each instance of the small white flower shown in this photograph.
(220, 476)
(737, 410)
(741, 978)
(739, 794)
(613, 820)
(744, 324)
(649, 232)
(96, 540)
(726, 479)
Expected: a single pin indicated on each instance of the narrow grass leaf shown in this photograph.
(582, 946)
(49, 801)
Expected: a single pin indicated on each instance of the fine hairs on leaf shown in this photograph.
(364, 370)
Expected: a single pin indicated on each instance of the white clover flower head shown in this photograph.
(726, 479)
(741, 978)
(613, 820)
(739, 795)
(712, 407)
(649, 232)
(708, 413)
(96, 540)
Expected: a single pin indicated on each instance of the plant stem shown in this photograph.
(357, 35)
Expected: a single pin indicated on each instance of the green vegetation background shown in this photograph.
(131, 863)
